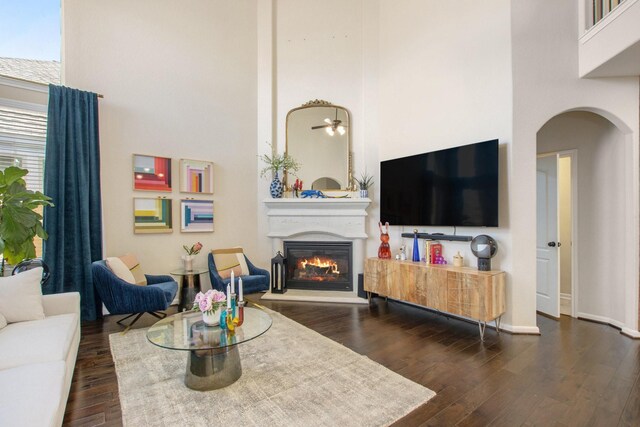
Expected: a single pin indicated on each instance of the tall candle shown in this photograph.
(232, 280)
(228, 296)
(240, 288)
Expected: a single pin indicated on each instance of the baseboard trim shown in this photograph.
(520, 330)
(565, 304)
(624, 330)
(631, 333)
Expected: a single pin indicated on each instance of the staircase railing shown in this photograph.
(602, 7)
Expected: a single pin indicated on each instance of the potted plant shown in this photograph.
(210, 304)
(275, 163)
(191, 251)
(364, 182)
(19, 222)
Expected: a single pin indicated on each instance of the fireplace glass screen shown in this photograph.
(319, 265)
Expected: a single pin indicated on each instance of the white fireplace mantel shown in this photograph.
(328, 219)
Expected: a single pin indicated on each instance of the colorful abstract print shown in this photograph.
(151, 173)
(197, 216)
(152, 215)
(196, 176)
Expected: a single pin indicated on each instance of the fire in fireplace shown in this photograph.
(318, 265)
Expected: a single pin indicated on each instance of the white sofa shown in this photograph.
(37, 358)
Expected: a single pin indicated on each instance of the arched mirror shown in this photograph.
(319, 138)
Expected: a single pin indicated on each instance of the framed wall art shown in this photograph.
(196, 216)
(196, 176)
(151, 173)
(152, 215)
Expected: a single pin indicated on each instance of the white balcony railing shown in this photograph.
(601, 8)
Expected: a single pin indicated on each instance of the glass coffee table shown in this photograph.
(214, 359)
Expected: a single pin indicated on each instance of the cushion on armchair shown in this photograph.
(228, 260)
(127, 268)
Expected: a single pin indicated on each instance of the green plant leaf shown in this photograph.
(19, 223)
(14, 174)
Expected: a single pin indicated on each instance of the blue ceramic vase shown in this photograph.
(276, 187)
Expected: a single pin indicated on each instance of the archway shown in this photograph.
(604, 273)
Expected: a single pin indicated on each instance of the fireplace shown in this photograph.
(324, 266)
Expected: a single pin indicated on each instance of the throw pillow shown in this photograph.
(119, 269)
(21, 296)
(3, 321)
(228, 260)
(131, 261)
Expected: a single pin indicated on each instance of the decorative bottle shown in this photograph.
(416, 247)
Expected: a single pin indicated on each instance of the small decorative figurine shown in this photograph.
(458, 260)
(297, 187)
(313, 194)
(416, 248)
(384, 252)
(403, 253)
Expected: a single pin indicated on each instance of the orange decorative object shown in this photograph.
(384, 251)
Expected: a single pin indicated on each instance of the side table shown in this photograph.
(189, 286)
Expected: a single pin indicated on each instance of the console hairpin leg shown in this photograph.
(482, 326)
(498, 320)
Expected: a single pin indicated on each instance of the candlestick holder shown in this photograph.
(233, 305)
(223, 319)
(229, 321)
(239, 318)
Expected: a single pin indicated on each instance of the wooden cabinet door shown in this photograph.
(463, 295)
(431, 288)
(378, 276)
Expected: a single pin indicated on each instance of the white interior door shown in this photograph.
(547, 291)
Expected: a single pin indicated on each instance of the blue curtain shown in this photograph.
(72, 180)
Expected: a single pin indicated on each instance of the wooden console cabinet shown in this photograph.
(463, 291)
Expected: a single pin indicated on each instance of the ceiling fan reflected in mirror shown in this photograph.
(332, 126)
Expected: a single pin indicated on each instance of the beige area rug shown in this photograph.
(291, 376)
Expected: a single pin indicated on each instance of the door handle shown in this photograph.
(551, 244)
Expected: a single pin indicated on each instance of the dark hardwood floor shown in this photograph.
(576, 373)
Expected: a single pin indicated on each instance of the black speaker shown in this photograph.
(361, 291)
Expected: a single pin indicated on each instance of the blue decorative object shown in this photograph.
(256, 281)
(72, 180)
(223, 319)
(121, 297)
(276, 187)
(313, 194)
(416, 247)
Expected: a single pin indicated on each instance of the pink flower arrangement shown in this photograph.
(193, 250)
(209, 301)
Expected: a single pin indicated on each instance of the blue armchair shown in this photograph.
(121, 297)
(256, 281)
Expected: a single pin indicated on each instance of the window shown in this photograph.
(22, 143)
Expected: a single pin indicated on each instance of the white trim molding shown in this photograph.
(24, 84)
(565, 304)
(524, 330)
(611, 322)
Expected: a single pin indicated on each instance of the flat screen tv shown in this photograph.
(453, 187)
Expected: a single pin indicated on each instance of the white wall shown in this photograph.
(444, 81)
(601, 158)
(179, 80)
(545, 84)
(190, 79)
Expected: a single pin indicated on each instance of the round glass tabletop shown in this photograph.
(187, 331)
(183, 272)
